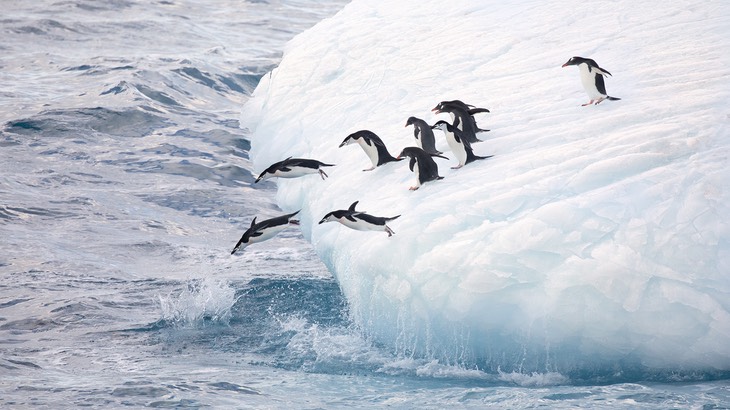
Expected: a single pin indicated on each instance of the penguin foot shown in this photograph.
(457, 167)
(369, 169)
(413, 188)
(588, 103)
(322, 174)
(599, 101)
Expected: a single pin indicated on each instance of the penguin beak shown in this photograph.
(565, 65)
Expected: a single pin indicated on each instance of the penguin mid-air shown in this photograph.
(459, 146)
(424, 135)
(359, 220)
(591, 75)
(373, 146)
(264, 230)
(422, 164)
(294, 168)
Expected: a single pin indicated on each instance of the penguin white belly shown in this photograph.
(588, 79)
(370, 150)
(359, 225)
(268, 233)
(418, 176)
(457, 148)
(295, 172)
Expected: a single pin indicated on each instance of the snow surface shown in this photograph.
(595, 238)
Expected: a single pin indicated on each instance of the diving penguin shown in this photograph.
(422, 164)
(591, 75)
(424, 135)
(294, 168)
(264, 230)
(359, 220)
(373, 146)
(458, 144)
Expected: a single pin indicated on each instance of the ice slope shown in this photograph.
(596, 241)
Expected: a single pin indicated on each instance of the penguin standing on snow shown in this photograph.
(470, 109)
(422, 164)
(359, 220)
(459, 146)
(591, 75)
(373, 146)
(461, 118)
(264, 230)
(293, 168)
(424, 135)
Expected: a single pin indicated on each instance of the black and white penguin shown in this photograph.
(459, 146)
(373, 146)
(470, 109)
(264, 230)
(591, 75)
(359, 220)
(461, 118)
(294, 168)
(422, 164)
(424, 135)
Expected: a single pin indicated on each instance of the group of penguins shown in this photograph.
(460, 135)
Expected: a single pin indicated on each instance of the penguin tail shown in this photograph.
(392, 218)
(437, 178)
(613, 98)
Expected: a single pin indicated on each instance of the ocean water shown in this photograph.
(125, 181)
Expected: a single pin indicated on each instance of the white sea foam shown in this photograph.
(596, 235)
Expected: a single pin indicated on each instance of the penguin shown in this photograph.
(459, 146)
(373, 147)
(264, 230)
(359, 220)
(427, 141)
(422, 164)
(591, 75)
(293, 168)
(461, 119)
(470, 109)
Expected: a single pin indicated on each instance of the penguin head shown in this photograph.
(575, 61)
(440, 125)
(262, 177)
(410, 121)
(330, 217)
(241, 246)
(350, 139)
(408, 152)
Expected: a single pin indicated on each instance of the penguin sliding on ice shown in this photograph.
(294, 168)
(264, 230)
(359, 220)
(373, 146)
(458, 144)
(591, 75)
(422, 164)
(424, 135)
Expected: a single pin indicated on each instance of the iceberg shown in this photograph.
(594, 244)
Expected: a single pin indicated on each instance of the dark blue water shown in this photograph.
(124, 184)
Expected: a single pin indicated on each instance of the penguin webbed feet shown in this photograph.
(413, 188)
(323, 174)
(389, 231)
(369, 169)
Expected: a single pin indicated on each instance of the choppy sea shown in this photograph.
(124, 184)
